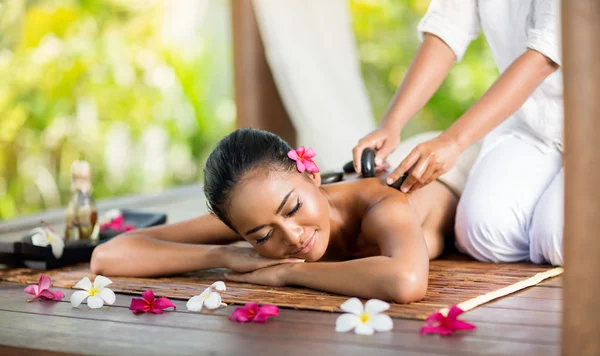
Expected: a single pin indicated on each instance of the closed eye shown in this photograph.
(264, 239)
(290, 214)
(295, 210)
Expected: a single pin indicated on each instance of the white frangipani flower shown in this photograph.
(364, 321)
(43, 237)
(98, 293)
(208, 298)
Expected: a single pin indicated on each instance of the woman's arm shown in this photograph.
(400, 274)
(506, 96)
(171, 249)
(431, 159)
(427, 71)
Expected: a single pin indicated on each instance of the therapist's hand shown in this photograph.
(384, 141)
(426, 163)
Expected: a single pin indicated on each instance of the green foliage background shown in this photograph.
(97, 80)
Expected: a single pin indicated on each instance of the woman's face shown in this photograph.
(282, 215)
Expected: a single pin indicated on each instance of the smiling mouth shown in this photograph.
(308, 245)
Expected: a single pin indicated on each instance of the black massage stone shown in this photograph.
(367, 167)
(368, 163)
(399, 182)
(332, 177)
(349, 167)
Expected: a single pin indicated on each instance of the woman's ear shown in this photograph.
(316, 177)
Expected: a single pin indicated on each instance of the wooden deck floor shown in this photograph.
(528, 322)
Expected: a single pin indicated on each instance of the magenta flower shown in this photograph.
(437, 323)
(252, 312)
(303, 157)
(41, 290)
(149, 304)
(117, 224)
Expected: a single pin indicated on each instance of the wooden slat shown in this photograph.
(84, 336)
(556, 282)
(539, 292)
(536, 304)
(303, 324)
(581, 50)
(23, 351)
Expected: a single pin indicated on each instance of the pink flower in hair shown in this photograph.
(303, 157)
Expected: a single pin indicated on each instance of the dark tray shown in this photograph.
(24, 254)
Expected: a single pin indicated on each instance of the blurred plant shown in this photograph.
(98, 80)
(386, 35)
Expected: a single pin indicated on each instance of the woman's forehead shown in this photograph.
(262, 194)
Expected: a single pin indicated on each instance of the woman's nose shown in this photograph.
(293, 234)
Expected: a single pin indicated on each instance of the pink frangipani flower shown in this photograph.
(41, 290)
(117, 224)
(253, 312)
(150, 305)
(437, 323)
(303, 157)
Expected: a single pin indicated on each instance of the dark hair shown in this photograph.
(234, 157)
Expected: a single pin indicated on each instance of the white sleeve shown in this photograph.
(456, 22)
(543, 29)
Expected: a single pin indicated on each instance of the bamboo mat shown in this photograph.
(452, 280)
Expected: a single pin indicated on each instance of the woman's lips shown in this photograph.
(308, 245)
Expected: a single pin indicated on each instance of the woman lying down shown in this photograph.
(358, 237)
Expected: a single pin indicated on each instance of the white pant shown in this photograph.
(512, 206)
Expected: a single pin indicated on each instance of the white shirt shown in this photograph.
(510, 27)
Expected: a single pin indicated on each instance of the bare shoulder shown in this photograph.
(388, 214)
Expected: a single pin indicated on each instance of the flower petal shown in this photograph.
(300, 150)
(376, 306)
(95, 302)
(45, 294)
(300, 166)
(101, 282)
(44, 282)
(364, 329)
(40, 239)
(138, 306)
(107, 295)
(148, 296)
(346, 322)
(309, 153)
(353, 305)
(292, 154)
(58, 246)
(84, 284)
(264, 312)
(195, 303)
(311, 166)
(219, 286)
(240, 314)
(462, 325)
(31, 289)
(163, 303)
(213, 301)
(382, 322)
(454, 312)
(58, 295)
(78, 297)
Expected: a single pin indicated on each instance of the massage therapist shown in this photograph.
(512, 206)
